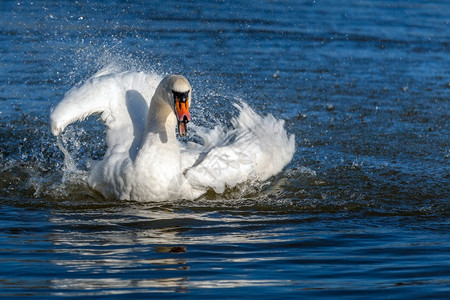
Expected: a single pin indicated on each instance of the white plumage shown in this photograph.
(145, 161)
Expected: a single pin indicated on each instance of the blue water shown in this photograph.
(362, 211)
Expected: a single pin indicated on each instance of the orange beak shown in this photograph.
(182, 112)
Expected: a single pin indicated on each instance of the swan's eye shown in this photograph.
(181, 97)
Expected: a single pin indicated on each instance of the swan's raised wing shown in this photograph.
(256, 149)
(122, 101)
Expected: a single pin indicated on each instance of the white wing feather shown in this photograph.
(122, 101)
(256, 149)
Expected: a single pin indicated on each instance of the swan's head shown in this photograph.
(180, 90)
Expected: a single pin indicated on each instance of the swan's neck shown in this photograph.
(157, 168)
(161, 123)
(158, 162)
(160, 146)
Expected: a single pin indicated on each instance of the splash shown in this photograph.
(69, 164)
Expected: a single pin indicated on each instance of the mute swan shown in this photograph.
(144, 160)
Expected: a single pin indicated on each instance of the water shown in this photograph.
(361, 211)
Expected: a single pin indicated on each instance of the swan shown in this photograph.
(144, 160)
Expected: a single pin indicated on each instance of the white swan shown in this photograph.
(145, 161)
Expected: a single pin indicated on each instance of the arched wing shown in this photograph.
(255, 149)
(122, 101)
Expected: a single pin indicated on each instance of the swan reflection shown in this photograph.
(137, 247)
(126, 249)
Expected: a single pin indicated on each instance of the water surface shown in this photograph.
(361, 211)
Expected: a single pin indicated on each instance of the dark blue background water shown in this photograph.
(361, 211)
